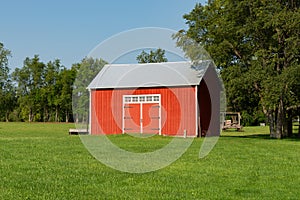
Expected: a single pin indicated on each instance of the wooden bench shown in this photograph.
(234, 122)
(73, 131)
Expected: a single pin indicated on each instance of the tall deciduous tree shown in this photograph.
(4, 70)
(30, 79)
(87, 69)
(152, 57)
(256, 45)
(51, 91)
(66, 81)
(7, 90)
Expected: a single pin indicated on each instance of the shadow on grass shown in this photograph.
(294, 137)
(257, 136)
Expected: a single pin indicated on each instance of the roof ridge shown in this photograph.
(140, 64)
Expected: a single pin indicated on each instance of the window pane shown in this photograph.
(149, 98)
(142, 98)
(134, 99)
(127, 99)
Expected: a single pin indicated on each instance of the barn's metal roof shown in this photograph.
(149, 75)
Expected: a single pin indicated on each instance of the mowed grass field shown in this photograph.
(41, 161)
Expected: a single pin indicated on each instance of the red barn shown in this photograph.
(172, 98)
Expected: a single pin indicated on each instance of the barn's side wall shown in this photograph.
(213, 85)
(178, 109)
(205, 107)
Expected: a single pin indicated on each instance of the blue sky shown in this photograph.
(69, 30)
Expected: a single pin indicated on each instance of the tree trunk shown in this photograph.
(56, 114)
(299, 122)
(46, 115)
(77, 120)
(279, 120)
(7, 116)
(299, 129)
(271, 122)
(30, 115)
(284, 122)
(67, 117)
(289, 122)
(285, 127)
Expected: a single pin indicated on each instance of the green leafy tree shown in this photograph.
(255, 44)
(45, 90)
(30, 80)
(7, 90)
(66, 81)
(39, 90)
(87, 69)
(51, 91)
(152, 57)
(4, 70)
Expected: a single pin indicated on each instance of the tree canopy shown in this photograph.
(152, 57)
(256, 46)
(42, 90)
(87, 69)
(45, 92)
(7, 91)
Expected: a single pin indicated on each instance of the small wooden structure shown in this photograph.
(232, 120)
(73, 131)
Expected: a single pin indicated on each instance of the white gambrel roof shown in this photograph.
(150, 75)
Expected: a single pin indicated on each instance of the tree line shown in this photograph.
(50, 92)
(44, 92)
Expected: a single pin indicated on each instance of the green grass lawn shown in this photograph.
(41, 161)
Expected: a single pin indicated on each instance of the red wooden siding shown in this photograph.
(178, 111)
(132, 118)
(151, 118)
(141, 118)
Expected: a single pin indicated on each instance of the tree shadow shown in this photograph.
(256, 136)
(294, 137)
(258, 133)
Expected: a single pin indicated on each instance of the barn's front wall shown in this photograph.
(178, 109)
